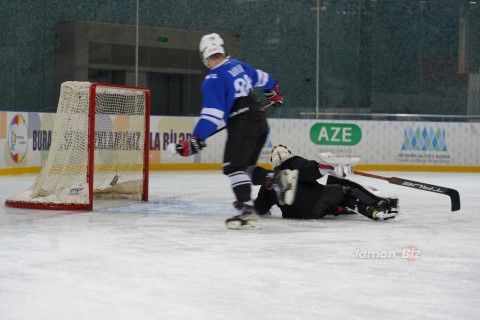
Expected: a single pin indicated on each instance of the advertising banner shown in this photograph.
(384, 142)
(25, 139)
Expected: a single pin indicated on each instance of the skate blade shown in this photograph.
(237, 225)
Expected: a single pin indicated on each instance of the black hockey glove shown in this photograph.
(186, 148)
(273, 96)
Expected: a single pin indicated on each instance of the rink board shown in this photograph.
(25, 139)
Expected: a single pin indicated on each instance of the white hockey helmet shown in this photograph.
(279, 154)
(209, 45)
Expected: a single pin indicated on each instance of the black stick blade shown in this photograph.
(455, 197)
(452, 193)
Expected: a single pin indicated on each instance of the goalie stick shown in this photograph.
(452, 193)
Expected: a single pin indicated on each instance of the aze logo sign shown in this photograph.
(335, 134)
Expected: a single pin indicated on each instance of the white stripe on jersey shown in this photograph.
(262, 78)
(215, 121)
(212, 112)
(213, 115)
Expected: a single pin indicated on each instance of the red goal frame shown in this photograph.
(91, 150)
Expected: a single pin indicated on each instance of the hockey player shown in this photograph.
(314, 200)
(228, 96)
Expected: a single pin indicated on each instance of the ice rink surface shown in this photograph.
(172, 258)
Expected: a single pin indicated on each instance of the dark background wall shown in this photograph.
(374, 55)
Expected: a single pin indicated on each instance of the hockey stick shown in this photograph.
(225, 127)
(452, 193)
(171, 148)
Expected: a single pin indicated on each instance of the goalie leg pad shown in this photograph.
(366, 195)
(363, 193)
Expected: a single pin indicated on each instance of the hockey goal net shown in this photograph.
(99, 148)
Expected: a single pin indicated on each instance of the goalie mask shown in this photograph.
(210, 44)
(279, 154)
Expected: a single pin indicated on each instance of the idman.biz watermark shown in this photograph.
(410, 253)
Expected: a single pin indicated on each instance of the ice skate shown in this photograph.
(247, 219)
(383, 210)
(285, 185)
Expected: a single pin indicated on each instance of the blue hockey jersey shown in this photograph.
(228, 81)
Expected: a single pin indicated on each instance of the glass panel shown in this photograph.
(373, 56)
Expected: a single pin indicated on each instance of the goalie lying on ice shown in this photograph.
(314, 200)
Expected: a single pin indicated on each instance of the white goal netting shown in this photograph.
(98, 144)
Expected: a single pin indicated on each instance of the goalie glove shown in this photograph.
(273, 96)
(186, 148)
(336, 166)
(338, 171)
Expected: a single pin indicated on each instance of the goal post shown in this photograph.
(100, 148)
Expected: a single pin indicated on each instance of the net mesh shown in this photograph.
(118, 146)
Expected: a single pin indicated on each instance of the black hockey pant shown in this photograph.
(247, 133)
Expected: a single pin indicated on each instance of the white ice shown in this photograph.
(172, 258)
